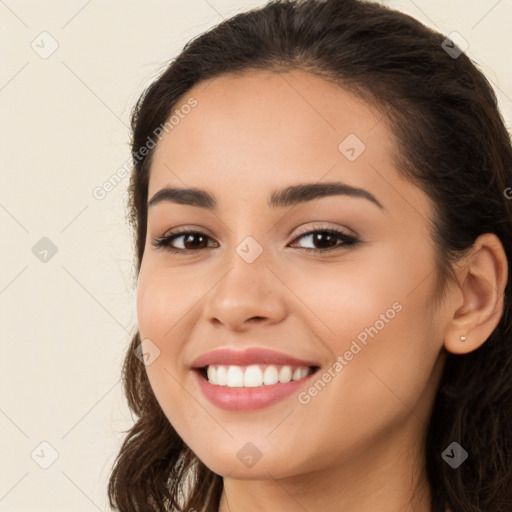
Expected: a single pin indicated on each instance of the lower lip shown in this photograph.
(248, 399)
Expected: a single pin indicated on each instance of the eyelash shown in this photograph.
(165, 241)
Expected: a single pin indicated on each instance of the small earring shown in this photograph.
(463, 339)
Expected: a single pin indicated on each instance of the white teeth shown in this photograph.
(212, 373)
(254, 375)
(285, 374)
(270, 375)
(222, 377)
(297, 374)
(235, 377)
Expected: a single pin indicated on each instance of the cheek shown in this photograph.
(339, 300)
(161, 304)
(162, 300)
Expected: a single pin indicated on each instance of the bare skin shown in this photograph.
(356, 445)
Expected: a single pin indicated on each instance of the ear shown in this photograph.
(482, 279)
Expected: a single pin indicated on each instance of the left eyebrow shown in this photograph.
(307, 192)
(279, 199)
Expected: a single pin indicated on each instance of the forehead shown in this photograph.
(260, 131)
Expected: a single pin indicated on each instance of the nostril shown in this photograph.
(256, 318)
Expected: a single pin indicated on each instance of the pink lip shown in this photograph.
(254, 355)
(247, 399)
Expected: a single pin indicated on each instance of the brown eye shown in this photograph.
(192, 241)
(328, 240)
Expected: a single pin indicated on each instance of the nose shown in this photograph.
(247, 294)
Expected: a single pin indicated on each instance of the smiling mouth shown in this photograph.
(254, 375)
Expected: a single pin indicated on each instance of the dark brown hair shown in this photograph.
(451, 141)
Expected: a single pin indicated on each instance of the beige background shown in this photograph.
(64, 131)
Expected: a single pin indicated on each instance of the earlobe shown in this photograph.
(482, 280)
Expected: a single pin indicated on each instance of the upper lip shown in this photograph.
(253, 355)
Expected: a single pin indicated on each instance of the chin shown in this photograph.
(226, 467)
(247, 464)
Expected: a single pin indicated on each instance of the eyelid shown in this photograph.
(324, 226)
(186, 229)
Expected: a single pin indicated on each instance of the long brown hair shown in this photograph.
(451, 142)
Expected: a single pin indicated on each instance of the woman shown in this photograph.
(323, 232)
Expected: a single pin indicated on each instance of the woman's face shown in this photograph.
(360, 316)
